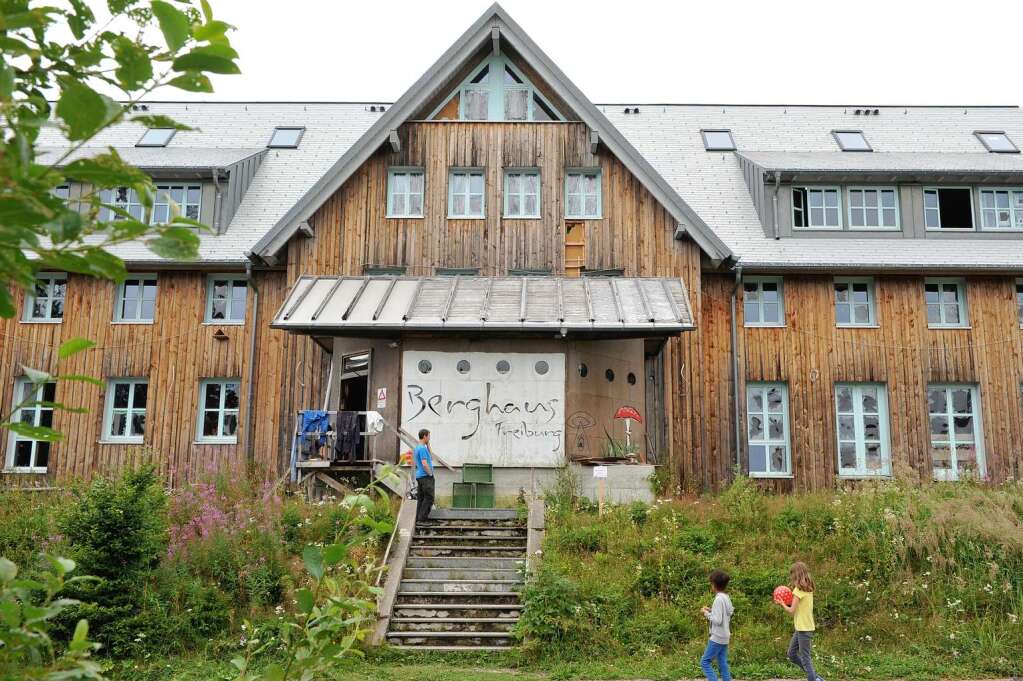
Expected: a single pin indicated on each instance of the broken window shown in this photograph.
(948, 208)
(1001, 208)
(816, 207)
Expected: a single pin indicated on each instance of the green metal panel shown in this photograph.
(484, 495)
(477, 472)
(463, 495)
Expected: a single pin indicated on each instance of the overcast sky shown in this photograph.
(643, 51)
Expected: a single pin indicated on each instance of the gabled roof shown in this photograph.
(440, 73)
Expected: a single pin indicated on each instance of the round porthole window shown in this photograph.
(503, 367)
(609, 375)
(463, 366)
(583, 370)
(424, 366)
(541, 367)
(631, 378)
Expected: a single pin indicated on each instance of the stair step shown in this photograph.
(461, 606)
(431, 625)
(448, 634)
(462, 538)
(462, 573)
(460, 527)
(475, 514)
(502, 612)
(431, 586)
(464, 562)
(444, 600)
(454, 620)
(462, 551)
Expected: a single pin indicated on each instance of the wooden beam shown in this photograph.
(305, 229)
(395, 141)
(331, 482)
(495, 38)
(594, 141)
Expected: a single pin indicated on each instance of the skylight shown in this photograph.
(286, 138)
(996, 141)
(156, 137)
(718, 140)
(851, 140)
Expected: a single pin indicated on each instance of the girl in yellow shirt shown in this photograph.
(801, 610)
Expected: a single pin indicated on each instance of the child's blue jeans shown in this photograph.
(719, 652)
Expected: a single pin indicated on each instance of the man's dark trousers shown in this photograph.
(424, 500)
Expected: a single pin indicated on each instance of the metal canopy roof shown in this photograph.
(613, 307)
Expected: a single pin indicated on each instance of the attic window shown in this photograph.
(718, 140)
(996, 141)
(498, 91)
(851, 140)
(286, 138)
(156, 137)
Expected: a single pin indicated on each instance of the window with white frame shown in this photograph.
(816, 208)
(125, 409)
(854, 301)
(126, 200)
(218, 410)
(1001, 208)
(186, 197)
(225, 299)
(851, 140)
(466, 193)
(498, 91)
(1019, 300)
(946, 302)
(405, 192)
(763, 301)
(957, 446)
(522, 193)
(768, 429)
(583, 194)
(948, 208)
(862, 418)
(46, 301)
(26, 454)
(62, 191)
(136, 299)
(873, 207)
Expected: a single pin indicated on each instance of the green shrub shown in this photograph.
(698, 539)
(639, 512)
(552, 609)
(580, 539)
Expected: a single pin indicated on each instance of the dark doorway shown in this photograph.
(355, 389)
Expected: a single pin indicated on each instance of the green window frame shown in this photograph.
(584, 194)
(124, 410)
(45, 304)
(946, 303)
(467, 193)
(873, 208)
(816, 207)
(522, 193)
(861, 411)
(405, 192)
(768, 442)
(956, 430)
(1019, 301)
(187, 198)
(126, 200)
(854, 302)
(933, 213)
(26, 454)
(219, 406)
(497, 90)
(226, 299)
(763, 300)
(136, 299)
(1001, 209)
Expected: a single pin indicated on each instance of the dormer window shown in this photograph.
(718, 140)
(851, 140)
(996, 141)
(498, 91)
(156, 137)
(286, 138)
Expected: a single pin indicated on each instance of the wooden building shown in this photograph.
(802, 294)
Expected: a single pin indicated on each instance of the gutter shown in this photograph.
(250, 447)
(735, 369)
(777, 187)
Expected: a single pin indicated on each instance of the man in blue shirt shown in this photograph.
(424, 476)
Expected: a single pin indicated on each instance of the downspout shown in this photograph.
(218, 201)
(777, 187)
(736, 405)
(250, 446)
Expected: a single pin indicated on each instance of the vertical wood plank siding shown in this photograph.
(811, 355)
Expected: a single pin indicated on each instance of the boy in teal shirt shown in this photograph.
(423, 460)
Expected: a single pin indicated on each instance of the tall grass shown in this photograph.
(932, 572)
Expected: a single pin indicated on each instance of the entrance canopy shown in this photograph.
(598, 307)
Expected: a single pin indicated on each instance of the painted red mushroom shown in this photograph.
(630, 414)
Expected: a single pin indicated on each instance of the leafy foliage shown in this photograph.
(39, 230)
(27, 610)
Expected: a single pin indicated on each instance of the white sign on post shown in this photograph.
(502, 408)
(600, 472)
(381, 398)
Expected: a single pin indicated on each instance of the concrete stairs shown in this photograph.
(460, 588)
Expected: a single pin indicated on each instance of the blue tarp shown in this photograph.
(313, 421)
